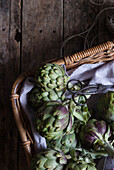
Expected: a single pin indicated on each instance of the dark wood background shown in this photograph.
(32, 32)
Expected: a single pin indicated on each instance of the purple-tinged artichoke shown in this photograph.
(51, 77)
(49, 159)
(95, 135)
(53, 120)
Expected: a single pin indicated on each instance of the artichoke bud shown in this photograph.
(65, 143)
(33, 97)
(80, 165)
(51, 77)
(95, 134)
(55, 122)
(105, 107)
(49, 159)
(81, 159)
(38, 96)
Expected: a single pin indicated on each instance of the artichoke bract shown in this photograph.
(82, 159)
(49, 159)
(79, 112)
(86, 155)
(80, 165)
(105, 107)
(37, 96)
(51, 77)
(52, 120)
(95, 135)
(65, 143)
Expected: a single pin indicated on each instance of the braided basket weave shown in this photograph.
(100, 53)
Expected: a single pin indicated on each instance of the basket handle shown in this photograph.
(100, 53)
(17, 114)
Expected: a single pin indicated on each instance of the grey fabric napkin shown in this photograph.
(99, 73)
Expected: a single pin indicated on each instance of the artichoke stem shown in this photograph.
(109, 149)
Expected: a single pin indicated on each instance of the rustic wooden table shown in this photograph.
(32, 32)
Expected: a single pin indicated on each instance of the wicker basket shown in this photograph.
(100, 53)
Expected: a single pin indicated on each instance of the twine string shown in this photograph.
(98, 4)
(97, 17)
(109, 23)
(71, 37)
(91, 44)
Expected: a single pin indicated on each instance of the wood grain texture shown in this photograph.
(42, 31)
(106, 12)
(32, 32)
(9, 70)
(79, 15)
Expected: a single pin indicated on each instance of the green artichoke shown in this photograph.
(81, 159)
(37, 96)
(80, 165)
(51, 77)
(95, 135)
(65, 143)
(86, 155)
(105, 107)
(53, 120)
(49, 159)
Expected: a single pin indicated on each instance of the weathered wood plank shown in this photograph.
(105, 30)
(79, 15)
(9, 69)
(42, 31)
(42, 34)
(44, 26)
